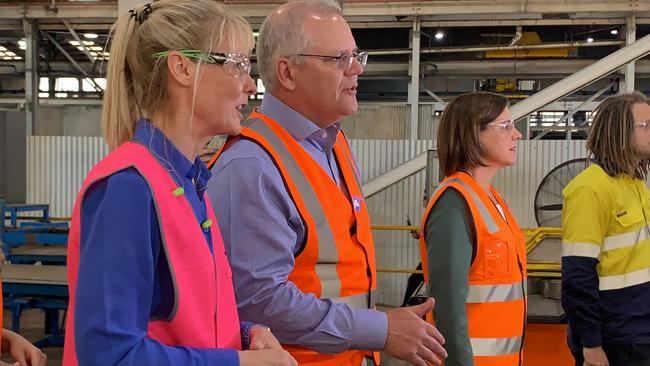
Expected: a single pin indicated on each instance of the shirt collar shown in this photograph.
(298, 126)
(169, 156)
(326, 137)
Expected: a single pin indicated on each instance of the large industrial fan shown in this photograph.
(548, 198)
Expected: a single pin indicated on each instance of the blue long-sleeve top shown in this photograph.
(262, 231)
(123, 279)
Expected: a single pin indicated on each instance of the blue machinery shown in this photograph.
(36, 277)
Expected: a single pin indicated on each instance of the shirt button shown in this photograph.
(324, 135)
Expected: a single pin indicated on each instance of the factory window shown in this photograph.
(66, 87)
(44, 84)
(260, 90)
(87, 86)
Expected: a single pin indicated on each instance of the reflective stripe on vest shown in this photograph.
(485, 214)
(495, 293)
(356, 301)
(495, 346)
(327, 253)
(353, 165)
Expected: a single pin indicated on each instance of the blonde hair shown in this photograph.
(283, 34)
(610, 136)
(136, 81)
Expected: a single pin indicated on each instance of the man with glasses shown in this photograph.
(288, 200)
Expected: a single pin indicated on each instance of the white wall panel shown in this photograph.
(56, 167)
(388, 121)
(535, 159)
(395, 249)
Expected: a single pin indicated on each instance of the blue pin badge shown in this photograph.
(356, 203)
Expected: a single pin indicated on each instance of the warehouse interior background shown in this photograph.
(553, 59)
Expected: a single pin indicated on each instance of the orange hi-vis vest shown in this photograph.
(337, 260)
(496, 296)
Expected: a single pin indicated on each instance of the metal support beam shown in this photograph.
(76, 37)
(630, 37)
(567, 117)
(414, 86)
(522, 109)
(526, 129)
(395, 175)
(434, 96)
(74, 63)
(125, 5)
(86, 51)
(30, 29)
(463, 49)
(583, 77)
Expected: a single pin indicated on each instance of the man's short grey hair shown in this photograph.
(283, 34)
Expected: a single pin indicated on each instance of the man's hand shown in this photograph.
(595, 356)
(411, 338)
(262, 338)
(266, 357)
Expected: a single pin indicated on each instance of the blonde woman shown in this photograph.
(149, 280)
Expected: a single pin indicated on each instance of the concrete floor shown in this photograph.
(32, 328)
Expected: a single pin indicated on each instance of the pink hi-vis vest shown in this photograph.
(204, 313)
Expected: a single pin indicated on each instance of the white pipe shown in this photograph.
(414, 87)
(586, 76)
(517, 36)
(630, 37)
(395, 175)
(496, 48)
(556, 91)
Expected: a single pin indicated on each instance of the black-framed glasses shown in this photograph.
(237, 64)
(344, 61)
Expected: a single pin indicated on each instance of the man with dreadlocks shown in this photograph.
(606, 239)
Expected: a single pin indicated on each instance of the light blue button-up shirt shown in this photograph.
(262, 231)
